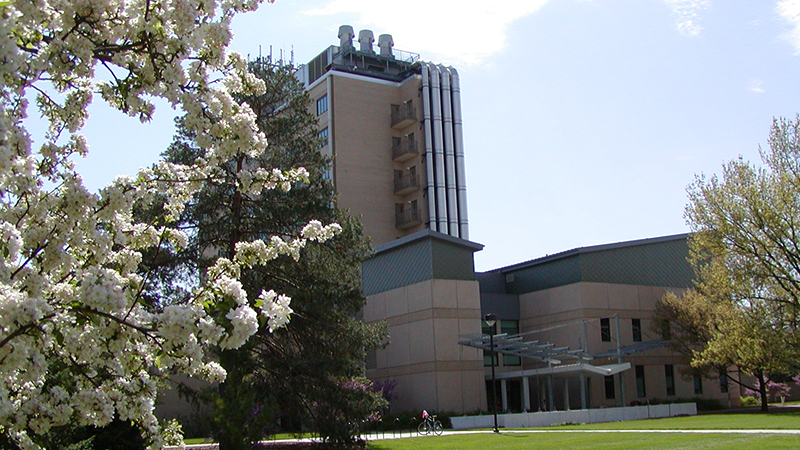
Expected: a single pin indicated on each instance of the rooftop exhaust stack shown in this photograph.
(346, 36)
(386, 43)
(365, 39)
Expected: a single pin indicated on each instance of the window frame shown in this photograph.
(636, 330)
(322, 104)
(641, 385)
(605, 329)
(669, 379)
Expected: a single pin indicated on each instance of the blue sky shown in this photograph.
(584, 120)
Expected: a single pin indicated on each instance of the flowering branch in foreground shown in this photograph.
(78, 343)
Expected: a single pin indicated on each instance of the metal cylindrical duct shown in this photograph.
(346, 34)
(438, 149)
(365, 40)
(385, 43)
(449, 154)
(429, 158)
(461, 183)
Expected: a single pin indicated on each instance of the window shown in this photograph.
(609, 384)
(322, 104)
(698, 384)
(605, 329)
(669, 376)
(723, 380)
(510, 327)
(487, 357)
(640, 388)
(328, 174)
(636, 325)
(323, 137)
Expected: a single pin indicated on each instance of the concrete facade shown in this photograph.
(567, 300)
(393, 131)
(425, 313)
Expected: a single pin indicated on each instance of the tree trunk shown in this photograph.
(762, 390)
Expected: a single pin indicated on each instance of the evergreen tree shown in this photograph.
(312, 373)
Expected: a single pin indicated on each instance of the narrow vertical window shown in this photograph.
(669, 377)
(698, 384)
(605, 329)
(323, 137)
(640, 385)
(487, 355)
(510, 327)
(609, 385)
(636, 326)
(322, 104)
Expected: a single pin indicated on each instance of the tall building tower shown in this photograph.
(392, 127)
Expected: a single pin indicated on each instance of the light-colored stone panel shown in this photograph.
(447, 348)
(419, 296)
(444, 294)
(623, 296)
(594, 295)
(396, 302)
(469, 295)
(399, 348)
(421, 341)
(375, 308)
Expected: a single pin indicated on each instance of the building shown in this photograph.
(573, 328)
(391, 125)
(590, 312)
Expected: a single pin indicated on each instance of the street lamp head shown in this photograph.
(490, 319)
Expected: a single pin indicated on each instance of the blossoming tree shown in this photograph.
(78, 343)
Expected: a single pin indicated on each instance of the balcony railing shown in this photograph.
(404, 148)
(407, 218)
(405, 184)
(403, 115)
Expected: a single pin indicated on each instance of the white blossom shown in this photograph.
(70, 291)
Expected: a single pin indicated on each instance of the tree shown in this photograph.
(79, 344)
(744, 247)
(313, 371)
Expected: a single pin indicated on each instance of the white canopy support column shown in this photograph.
(526, 394)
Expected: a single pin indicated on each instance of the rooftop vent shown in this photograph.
(365, 39)
(386, 43)
(346, 36)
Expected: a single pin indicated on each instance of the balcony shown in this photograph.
(403, 115)
(405, 183)
(407, 218)
(404, 148)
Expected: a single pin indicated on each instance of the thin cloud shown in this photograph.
(790, 11)
(457, 31)
(757, 86)
(687, 13)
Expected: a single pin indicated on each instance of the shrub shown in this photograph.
(749, 401)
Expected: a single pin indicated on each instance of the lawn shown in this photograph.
(580, 439)
(775, 420)
(605, 441)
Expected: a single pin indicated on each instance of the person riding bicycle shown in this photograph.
(429, 424)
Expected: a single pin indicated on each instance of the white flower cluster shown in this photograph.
(275, 308)
(70, 291)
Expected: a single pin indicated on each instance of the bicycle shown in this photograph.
(430, 425)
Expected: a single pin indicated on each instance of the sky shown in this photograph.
(584, 120)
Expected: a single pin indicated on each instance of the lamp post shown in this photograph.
(491, 320)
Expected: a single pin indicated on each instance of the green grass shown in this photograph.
(508, 440)
(780, 420)
(611, 441)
